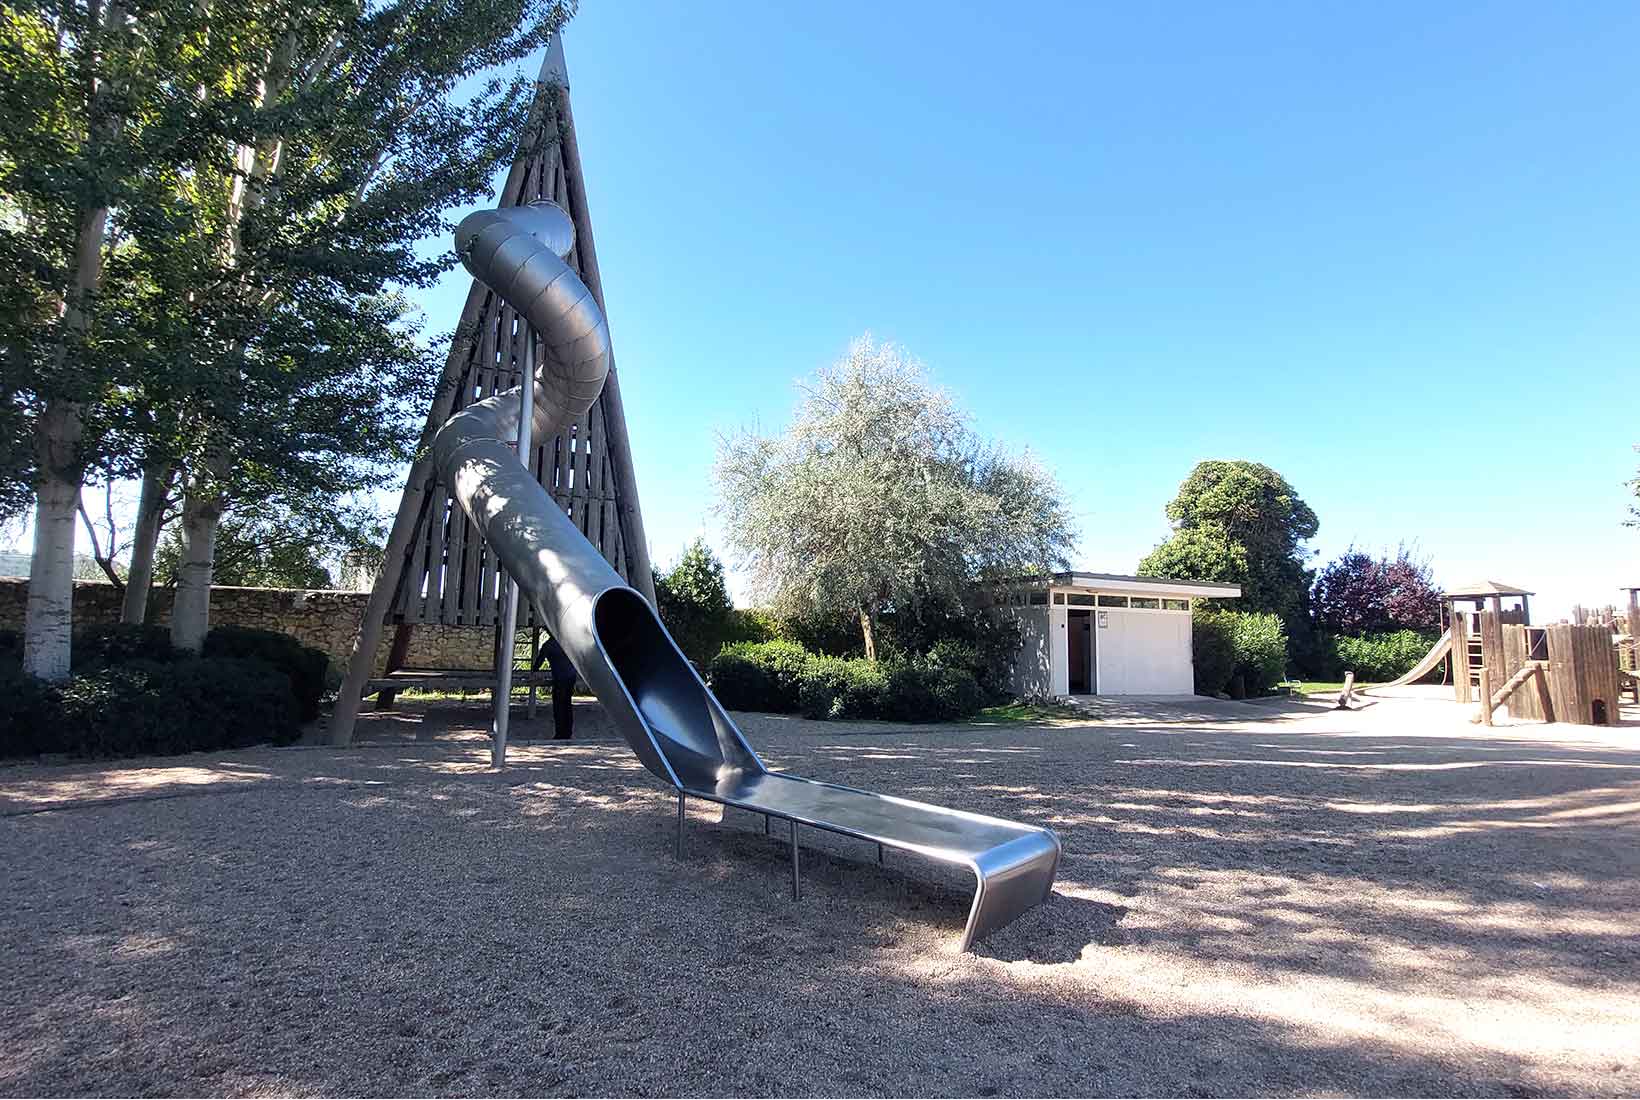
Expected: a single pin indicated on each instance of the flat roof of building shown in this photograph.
(1125, 582)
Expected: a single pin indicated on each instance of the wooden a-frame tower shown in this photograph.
(436, 569)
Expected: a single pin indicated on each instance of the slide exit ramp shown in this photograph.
(652, 693)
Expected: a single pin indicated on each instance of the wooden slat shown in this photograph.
(1460, 654)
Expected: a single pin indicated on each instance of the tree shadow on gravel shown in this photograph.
(1260, 914)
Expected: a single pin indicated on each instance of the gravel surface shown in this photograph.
(1255, 899)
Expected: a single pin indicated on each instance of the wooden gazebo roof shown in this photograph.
(1476, 589)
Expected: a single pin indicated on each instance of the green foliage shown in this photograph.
(837, 687)
(783, 678)
(879, 497)
(1242, 652)
(30, 712)
(764, 676)
(118, 643)
(148, 707)
(306, 666)
(1240, 522)
(1212, 651)
(1376, 658)
(693, 600)
(279, 542)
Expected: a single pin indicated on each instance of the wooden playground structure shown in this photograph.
(1561, 672)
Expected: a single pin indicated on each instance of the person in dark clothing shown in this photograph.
(563, 690)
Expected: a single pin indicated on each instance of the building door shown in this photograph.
(1079, 652)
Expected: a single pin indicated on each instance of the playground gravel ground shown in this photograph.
(1270, 899)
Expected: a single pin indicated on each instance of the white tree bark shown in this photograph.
(139, 580)
(49, 620)
(191, 613)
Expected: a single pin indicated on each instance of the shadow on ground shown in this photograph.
(1265, 908)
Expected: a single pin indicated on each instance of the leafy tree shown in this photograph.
(879, 497)
(694, 602)
(209, 209)
(1358, 594)
(282, 543)
(1240, 522)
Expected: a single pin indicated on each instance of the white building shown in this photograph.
(1105, 634)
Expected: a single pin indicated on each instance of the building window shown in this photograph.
(1038, 598)
(1175, 605)
(1059, 597)
(1113, 601)
(1081, 599)
(1148, 603)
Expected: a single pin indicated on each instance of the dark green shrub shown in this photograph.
(305, 665)
(765, 676)
(11, 648)
(1212, 651)
(30, 712)
(1375, 658)
(918, 692)
(1238, 649)
(837, 687)
(150, 707)
(117, 643)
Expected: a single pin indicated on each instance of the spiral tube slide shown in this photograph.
(651, 692)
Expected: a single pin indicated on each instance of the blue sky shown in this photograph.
(1390, 251)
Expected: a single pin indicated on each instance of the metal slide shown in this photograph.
(1420, 670)
(652, 693)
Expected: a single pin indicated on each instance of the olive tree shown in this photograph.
(880, 496)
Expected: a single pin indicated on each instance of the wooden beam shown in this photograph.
(396, 655)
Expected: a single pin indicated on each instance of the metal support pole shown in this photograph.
(765, 824)
(535, 662)
(505, 655)
(680, 824)
(879, 855)
(797, 884)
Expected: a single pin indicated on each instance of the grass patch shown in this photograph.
(1319, 687)
(1035, 713)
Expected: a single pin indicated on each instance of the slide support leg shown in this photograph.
(797, 884)
(680, 825)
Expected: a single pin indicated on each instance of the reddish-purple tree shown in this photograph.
(1357, 593)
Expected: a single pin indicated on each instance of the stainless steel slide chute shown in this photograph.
(611, 633)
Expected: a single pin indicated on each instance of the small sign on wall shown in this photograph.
(1104, 619)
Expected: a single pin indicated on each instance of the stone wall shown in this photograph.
(327, 620)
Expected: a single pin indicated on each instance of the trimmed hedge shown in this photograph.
(1239, 652)
(306, 666)
(117, 643)
(133, 693)
(1375, 658)
(783, 678)
(764, 676)
(146, 707)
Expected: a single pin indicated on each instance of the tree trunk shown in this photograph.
(50, 616)
(191, 611)
(139, 580)
(868, 630)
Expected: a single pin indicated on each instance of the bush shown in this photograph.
(117, 643)
(30, 713)
(759, 676)
(1212, 651)
(1375, 658)
(11, 648)
(1240, 651)
(306, 666)
(837, 687)
(782, 677)
(149, 707)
